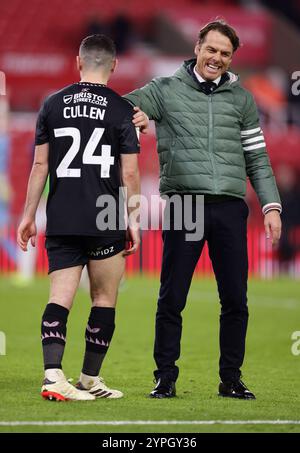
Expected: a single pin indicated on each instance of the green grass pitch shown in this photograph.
(270, 370)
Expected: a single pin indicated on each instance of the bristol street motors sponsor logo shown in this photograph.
(91, 98)
(85, 96)
(68, 98)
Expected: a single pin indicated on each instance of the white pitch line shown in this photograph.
(149, 422)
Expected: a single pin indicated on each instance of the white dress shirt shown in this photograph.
(201, 80)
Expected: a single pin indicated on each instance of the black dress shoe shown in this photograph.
(236, 389)
(165, 388)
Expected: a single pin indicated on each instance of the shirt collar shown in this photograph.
(201, 80)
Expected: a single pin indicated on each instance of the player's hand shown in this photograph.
(132, 241)
(141, 120)
(26, 231)
(272, 224)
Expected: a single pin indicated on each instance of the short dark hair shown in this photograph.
(222, 27)
(97, 50)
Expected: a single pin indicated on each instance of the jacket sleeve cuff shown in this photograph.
(271, 207)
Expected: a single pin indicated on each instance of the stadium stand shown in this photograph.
(38, 42)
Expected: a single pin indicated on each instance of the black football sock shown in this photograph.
(53, 330)
(98, 335)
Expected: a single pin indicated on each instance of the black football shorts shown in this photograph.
(69, 251)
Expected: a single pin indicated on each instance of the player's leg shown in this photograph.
(105, 276)
(63, 286)
(64, 282)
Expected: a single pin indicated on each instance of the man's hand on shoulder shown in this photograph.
(272, 224)
(141, 120)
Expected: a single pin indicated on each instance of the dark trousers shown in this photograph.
(225, 230)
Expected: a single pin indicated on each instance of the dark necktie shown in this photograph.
(208, 87)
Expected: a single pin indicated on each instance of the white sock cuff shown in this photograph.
(86, 380)
(54, 374)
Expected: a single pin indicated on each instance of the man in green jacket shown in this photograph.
(209, 141)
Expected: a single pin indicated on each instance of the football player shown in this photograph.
(87, 143)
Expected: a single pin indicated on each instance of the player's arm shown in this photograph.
(259, 170)
(131, 181)
(36, 184)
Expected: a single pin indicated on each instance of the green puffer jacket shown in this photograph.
(207, 144)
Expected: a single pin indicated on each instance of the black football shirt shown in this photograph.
(87, 126)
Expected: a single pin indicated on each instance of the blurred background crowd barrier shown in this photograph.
(38, 44)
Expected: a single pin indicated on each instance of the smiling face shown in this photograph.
(214, 55)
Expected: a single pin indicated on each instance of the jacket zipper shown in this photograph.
(210, 142)
(170, 163)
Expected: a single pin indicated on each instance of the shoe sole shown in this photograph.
(237, 397)
(160, 397)
(53, 396)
